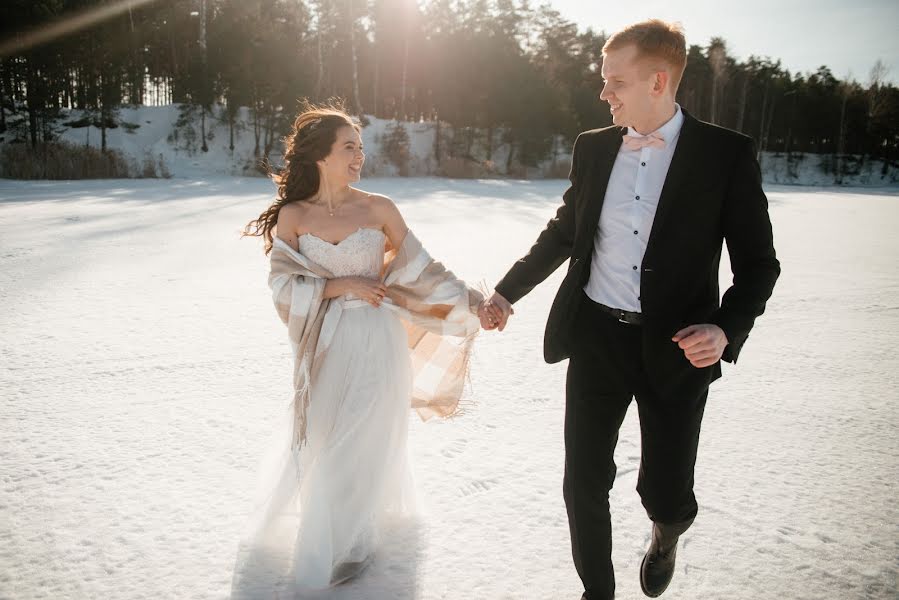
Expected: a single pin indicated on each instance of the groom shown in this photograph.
(651, 200)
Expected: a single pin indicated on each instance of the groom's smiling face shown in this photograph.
(628, 86)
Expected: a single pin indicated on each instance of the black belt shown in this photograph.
(623, 316)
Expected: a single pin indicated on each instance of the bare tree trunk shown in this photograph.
(256, 121)
(713, 117)
(357, 103)
(555, 152)
(718, 101)
(718, 62)
(69, 101)
(102, 114)
(789, 148)
(405, 70)
(437, 140)
(376, 84)
(789, 144)
(741, 111)
(269, 130)
(841, 137)
(769, 119)
(175, 70)
(2, 96)
(762, 120)
(205, 83)
(203, 146)
(102, 132)
(230, 125)
(135, 84)
(763, 131)
(875, 97)
(30, 101)
(319, 81)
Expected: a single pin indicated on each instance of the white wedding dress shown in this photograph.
(322, 507)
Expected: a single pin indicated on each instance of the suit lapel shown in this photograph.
(686, 150)
(598, 173)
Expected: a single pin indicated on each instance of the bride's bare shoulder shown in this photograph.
(294, 209)
(377, 202)
(290, 218)
(387, 215)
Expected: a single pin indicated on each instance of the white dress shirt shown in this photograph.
(628, 210)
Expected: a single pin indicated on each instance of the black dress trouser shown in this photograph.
(610, 364)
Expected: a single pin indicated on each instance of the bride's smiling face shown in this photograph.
(344, 163)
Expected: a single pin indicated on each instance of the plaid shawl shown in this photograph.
(437, 309)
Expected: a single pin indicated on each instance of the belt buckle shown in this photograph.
(621, 319)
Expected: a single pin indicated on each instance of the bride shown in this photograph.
(376, 326)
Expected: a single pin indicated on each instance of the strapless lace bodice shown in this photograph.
(360, 254)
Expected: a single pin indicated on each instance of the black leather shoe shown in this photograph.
(348, 570)
(658, 563)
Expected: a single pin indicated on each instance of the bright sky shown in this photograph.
(846, 35)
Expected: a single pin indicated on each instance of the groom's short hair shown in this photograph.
(655, 39)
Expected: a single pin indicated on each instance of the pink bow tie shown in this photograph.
(653, 140)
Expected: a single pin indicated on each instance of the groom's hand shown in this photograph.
(488, 321)
(496, 311)
(702, 344)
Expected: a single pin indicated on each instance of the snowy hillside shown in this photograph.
(172, 140)
(143, 369)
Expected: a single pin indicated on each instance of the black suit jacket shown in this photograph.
(712, 193)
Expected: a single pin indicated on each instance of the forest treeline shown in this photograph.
(494, 73)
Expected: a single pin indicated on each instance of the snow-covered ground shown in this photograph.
(142, 368)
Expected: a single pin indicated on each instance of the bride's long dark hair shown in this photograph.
(313, 133)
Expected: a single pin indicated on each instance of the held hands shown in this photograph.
(494, 312)
(702, 344)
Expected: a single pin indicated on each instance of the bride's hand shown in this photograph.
(370, 290)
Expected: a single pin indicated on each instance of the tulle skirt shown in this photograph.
(320, 510)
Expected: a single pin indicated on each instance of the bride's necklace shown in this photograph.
(332, 210)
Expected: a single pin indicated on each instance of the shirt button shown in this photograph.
(638, 297)
(636, 232)
(638, 197)
(642, 164)
(635, 268)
